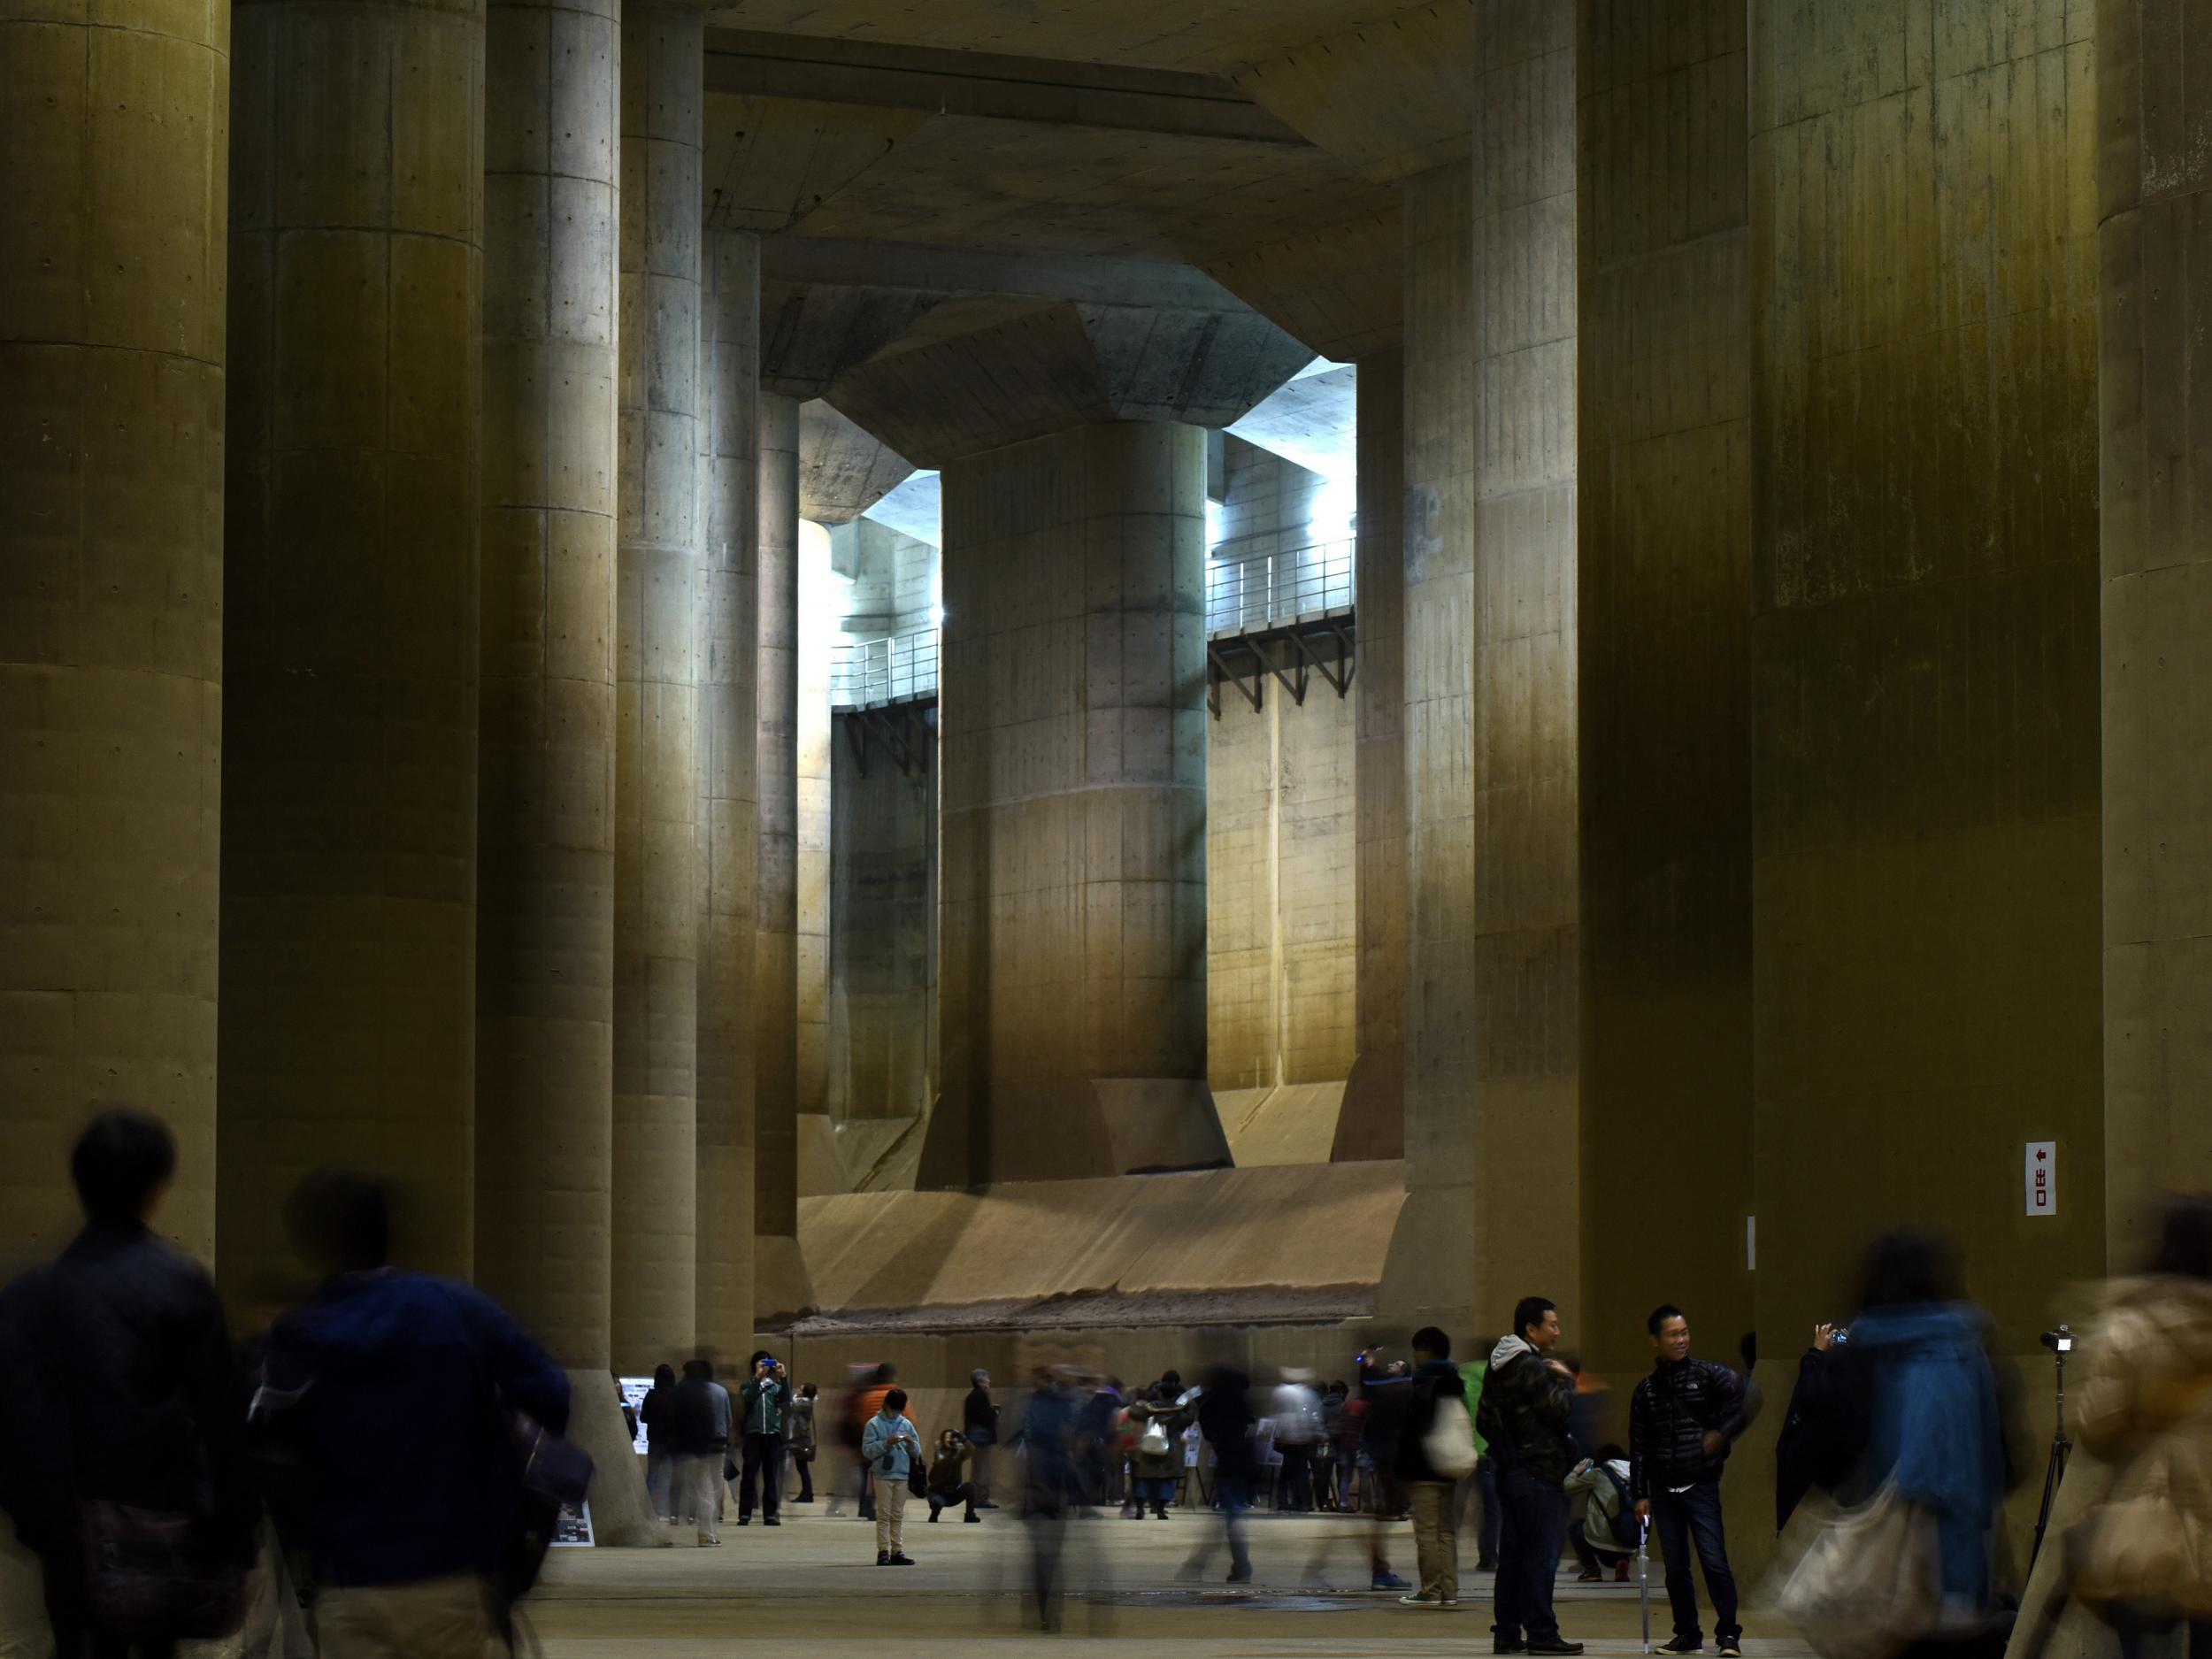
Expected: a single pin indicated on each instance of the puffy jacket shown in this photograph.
(1434, 1383)
(891, 1444)
(798, 1427)
(1671, 1413)
(2146, 1408)
(691, 1418)
(760, 1406)
(1524, 1409)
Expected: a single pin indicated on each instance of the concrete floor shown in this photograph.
(814, 1580)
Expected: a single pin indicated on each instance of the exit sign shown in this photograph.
(2040, 1172)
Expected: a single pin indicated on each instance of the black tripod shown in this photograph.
(2061, 1342)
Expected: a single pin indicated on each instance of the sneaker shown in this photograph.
(772, 1523)
(1684, 1644)
(883, 1558)
(1505, 1646)
(1555, 1647)
(971, 1520)
(1389, 1581)
(1449, 1604)
(903, 1560)
(1731, 1649)
(1419, 1598)
(1240, 1575)
(1620, 1572)
(1487, 1564)
(932, 1517)
(1589, 1575)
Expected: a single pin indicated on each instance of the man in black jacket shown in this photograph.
(979, 1422)
(117, 1387)
(1526, 1396)
(1682, 1422)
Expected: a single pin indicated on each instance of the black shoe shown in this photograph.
(883, 1558)
(772, 1523)
(1555, 1646)
(932, 1517)
(1485, 1565)
(972, 1520)
(1684, 1644)
(905, 1560)
(744, 1520)
(1239, 1576)
(1499, 1645)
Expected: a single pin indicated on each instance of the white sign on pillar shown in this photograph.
(2040, 1173)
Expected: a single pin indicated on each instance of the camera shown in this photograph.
(2059, 1342)
(1840, 1337)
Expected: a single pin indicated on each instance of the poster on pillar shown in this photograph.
(2039, 1178)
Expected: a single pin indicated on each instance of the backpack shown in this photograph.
(1626, 1529)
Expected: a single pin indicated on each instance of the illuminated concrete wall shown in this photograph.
(1924, 491)
(1665, 659)
(346, 1029)
(657, 873)
(2156, 538)
(820, 607)
(1072, 953)
(546, 751)
(112, 355)
(883, 913)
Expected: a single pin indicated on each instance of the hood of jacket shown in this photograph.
(1508, 1348)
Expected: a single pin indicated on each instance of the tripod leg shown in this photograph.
(2054, 1472)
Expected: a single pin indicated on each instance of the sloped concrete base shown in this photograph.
(621, 1513)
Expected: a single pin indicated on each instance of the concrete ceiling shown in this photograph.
(916, 508)
(1172, 34)
(843, 470)
(1312, 420)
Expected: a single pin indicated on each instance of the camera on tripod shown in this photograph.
(2059, 1342)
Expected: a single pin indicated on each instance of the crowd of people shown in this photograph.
(398, 1437)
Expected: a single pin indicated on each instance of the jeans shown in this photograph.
(1153, 1493)
(963, 1494)
(660, 1481)
(1296, 1490)
(1679, 1517)
(1528, 1556)
(1487, 1494)
(1435, 1546)
(763, 1467)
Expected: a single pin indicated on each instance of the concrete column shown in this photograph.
(1372, 1124)
(350, 605)
(1073, 993)
(657, 789)
(1665, 609)
(112, 349)
(728, 790)
(882, 907)
(1924, 491)
(546, 760)
(818, 618)
(775, 985)
(2153, 202)
(1492, 766)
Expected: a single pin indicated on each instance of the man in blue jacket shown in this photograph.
(393, 1398)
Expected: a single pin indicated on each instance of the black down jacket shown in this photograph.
(1669, 1417)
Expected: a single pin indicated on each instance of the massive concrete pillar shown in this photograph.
(776, 971)
(2153, 203)
(350, 602)
(1372, 1124)
(817, 615)
(656, 791)
(112, 348)
(546, 808)
(1073, 995)
(728, 789)
(1924, 492)
(1492, 767)
(1664, 610)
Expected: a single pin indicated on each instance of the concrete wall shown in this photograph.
(883, 911)
(111, 355)
(1923, 489)
(1072, 988)
(1664, 658)
(819, 608)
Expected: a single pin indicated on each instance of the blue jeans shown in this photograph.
(1528, 1557)
(1680, 1517)
(1487, 1494)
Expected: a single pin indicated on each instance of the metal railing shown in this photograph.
(1273, 590)
(896, 668)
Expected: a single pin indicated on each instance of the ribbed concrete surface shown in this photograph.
(818, 629)
(546, 810)
(2153, 202)
(727, 786)
(350, 600)
(657, 882)
(111, 354)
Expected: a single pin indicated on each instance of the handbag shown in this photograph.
(149, 1576)
(1870, 1583)
(916, 1477)
(1450, 1445)
(1154, 1441)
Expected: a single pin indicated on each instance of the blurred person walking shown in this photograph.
(1437, 1392)
(1051, 1485)
(121, 1417)
(1481, 1487)
(1158, 1461)
(891, 1447)
(1327, 1485)
(701, 1451)
(2144, 1560)
(798, 1433)
(949, 1481)
(393, 1403)
(979, 1422)
(1527, 1397)
(760, 1410)
(1226, 1421)
(1295, 1411)
(657, 1412)
(1683, 1420)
